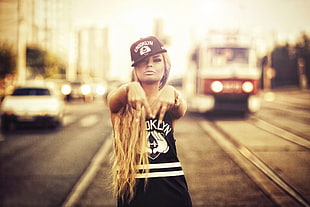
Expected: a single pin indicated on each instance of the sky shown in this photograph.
(187, 21)
(284, 16)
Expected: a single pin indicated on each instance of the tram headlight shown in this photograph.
(85, 89)
(66, 89)
(216, 86)
(247, 87)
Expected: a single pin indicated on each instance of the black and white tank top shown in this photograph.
(163, 160)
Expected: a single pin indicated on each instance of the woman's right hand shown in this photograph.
(137, 99)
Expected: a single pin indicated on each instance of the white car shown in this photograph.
(37, 104)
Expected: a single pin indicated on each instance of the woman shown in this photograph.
(146, 169)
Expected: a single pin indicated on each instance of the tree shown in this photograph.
(43, 63)
(303, 52)
(7, 60)
(284, 62)
(35, 60)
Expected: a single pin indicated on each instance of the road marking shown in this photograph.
(89, 120)
(89, 175)
(86, 121)
(68, 119)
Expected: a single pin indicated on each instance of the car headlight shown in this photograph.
(66, 89)
(216, 86)
(85, 89)
(247, 86)
(100, 90)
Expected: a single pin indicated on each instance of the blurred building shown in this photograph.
(93, 52)
(43, 23)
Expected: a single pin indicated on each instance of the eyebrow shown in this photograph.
(156, 56)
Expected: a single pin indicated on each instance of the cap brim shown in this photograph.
(143, 58)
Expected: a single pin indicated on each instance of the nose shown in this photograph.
(150, 63)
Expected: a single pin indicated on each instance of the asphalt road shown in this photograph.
(39, 166)
(232, 160)
(227, 160)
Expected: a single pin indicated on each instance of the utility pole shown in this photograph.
(21, 46)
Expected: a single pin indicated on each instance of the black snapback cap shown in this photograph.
(144, 48)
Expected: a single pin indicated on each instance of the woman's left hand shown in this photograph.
(164, 102)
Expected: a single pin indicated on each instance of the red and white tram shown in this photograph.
(224, 75)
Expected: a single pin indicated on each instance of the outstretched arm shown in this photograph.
(132, 94)
(117, 99)
(180, 106)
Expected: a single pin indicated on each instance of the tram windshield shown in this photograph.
(224, 56)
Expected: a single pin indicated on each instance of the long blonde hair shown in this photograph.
(130, 145)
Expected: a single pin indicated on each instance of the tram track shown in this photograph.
(286, 112)
(284, 134)
(299, 113)
(294, 99)
(274, 186)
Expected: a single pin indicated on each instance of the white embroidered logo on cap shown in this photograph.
(145, 50)
(142, 44)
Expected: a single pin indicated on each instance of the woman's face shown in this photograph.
(151, 70)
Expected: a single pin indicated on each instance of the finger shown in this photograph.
(162, 113)
(148, 109)
(156, 108)
(132, 100)
(132, 104)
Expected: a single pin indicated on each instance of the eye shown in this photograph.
(157, 60)
(143, 62)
